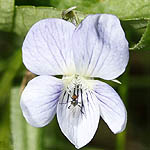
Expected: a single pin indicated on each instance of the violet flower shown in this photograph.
(96, 48)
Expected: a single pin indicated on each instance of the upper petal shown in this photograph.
(100, 47)
(46, 49)
(112, 108)
(39, 100)
(78, 122)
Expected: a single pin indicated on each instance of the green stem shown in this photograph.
(121, 141)
(123, 90)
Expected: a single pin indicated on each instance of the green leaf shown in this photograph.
(6, 14)
(144, 42)
(18, 124)
(28, 15)
(122, 8)
(137, 33)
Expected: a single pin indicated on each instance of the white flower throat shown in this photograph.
(75, 89)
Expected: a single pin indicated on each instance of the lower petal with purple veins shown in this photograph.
(112, 108)
(78, 113)
(39, 100)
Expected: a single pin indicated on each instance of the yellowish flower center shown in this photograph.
(75, 88)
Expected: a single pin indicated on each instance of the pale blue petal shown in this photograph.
(100, 47)
(78, 123)
(39, 100)
(46, 49)
(112, 108)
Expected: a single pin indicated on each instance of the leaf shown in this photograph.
(137, 33)
(128, 9)
(144, 42)
(18, 124)
(6, 14)
(28, 15)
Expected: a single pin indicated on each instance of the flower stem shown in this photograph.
(121, 141)
(123, 90)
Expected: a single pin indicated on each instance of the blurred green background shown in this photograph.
(16, 17)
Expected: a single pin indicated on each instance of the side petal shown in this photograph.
(112, 108)
(100, 47)
(39, 100)
(46, 49)
(78, 122)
